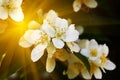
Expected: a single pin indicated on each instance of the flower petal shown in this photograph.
(51, 50)
(76, 5)
(83, 43)
(90, 3)
(3, 13)
(38, 52)
(33, 25)
(80, 29)
(61, 24)
(98, 74)
(50, 64)
(73, 46)
(48, 29)
(23, 43)
(71, 34)
(105, 50)
(51, 16)
(93, 44)
(58, 43)
(32, 36)
(85, 52)
(85, 73)
(16, 14)
(15, 3)
(109, 65)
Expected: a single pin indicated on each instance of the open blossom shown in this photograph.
(97, 56)
(11, 8)
(59, 30)
(92, 50)
(78, 3)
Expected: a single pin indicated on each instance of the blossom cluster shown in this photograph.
(61, 40)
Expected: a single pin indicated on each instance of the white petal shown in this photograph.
(90, 3)
(73, 47)
(109, 65)
(36, 35)
(93, 44)
(15, 3)
(23, 43)
(58, 43)
(61, 24)
(72, 71)
(34, 25)
(51, 16)
(85, 74)
(48, 29)
(3, 13)
(38, 52)
(27, 36)
(50, 64)
(83, 43)
(32, 36)
(80, 29)
(16, 14)
(51, 50)
(98, 74)
(71, 34)
(105, 50)
(85, 52)
(76, 5)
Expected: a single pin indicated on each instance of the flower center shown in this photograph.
(103, 59)
(60, 32)
(93, 52)
(43, 38)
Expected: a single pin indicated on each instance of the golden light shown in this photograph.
(11, 31)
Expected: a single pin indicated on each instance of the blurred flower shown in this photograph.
(11, 8)
(78, 3)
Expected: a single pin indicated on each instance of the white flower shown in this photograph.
(103, 61)
(11, 8)
(97, 56)
(78, 3)
(42, 43)
(61, 33)
(38, 38)
(92, 51)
